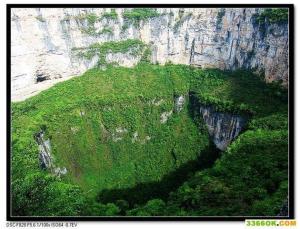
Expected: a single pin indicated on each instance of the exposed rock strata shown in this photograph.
(42, 42)
(222, 127)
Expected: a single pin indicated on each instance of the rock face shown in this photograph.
(43, 41)
(179, 103)
(222, 127)
(45, 157)
(45, 149)
(165, 116)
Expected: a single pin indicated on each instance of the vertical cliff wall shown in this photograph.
(43, 42)
(222, 127)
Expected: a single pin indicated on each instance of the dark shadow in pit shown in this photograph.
(143, 192)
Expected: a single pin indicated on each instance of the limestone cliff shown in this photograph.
(222, 127)
(43, 41)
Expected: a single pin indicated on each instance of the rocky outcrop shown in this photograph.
(118, 134)
(165, 116)
(179, 103)
(222, 127)
(284, 210)
(45, 158)
(43, 41)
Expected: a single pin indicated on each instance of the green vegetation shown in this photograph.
(254, 97)
(276, 15)
(43, 194)
(131, 46)
(110, 15)
(92, 18)
(125, 26)
(40, 18)
(139, 14)
(89, 31)
(250, 178)
(108, 158)
(105, 128)
(220, 16)
(106, 30)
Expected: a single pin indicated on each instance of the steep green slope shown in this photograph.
(251, 177)
(239, 92)
(106, 128)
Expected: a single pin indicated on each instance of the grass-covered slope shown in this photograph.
(105, 128)
(239, 92)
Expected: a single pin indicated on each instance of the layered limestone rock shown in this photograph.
(43, 42)
(222, 127)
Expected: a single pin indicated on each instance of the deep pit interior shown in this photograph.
(137, 134)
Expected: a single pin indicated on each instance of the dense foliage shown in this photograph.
(110, 15)
(275, 15)
(239, 92)
(111, 137)
(250, 179)
(131, 47)
(139, 14)
(105, 128)
(87, 22)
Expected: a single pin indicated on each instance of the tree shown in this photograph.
(41, 194)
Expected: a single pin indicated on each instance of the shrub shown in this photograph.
(40, 18)
(138, 14)
(131, 46)
(276, 15)
(110, 15)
